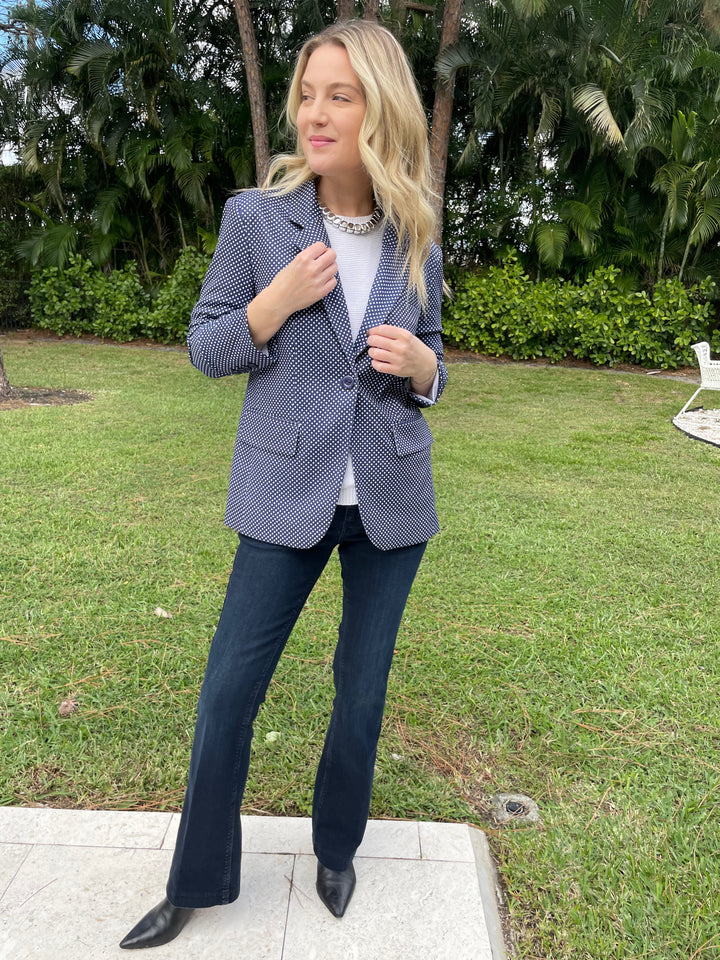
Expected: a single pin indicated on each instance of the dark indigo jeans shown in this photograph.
(267, 589)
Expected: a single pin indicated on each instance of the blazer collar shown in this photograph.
(304, 213)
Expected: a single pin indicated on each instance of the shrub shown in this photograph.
(61, 300)
(169, 318)
(499, 311)
(81, 299)
(119, 304)
(13, 302)
(502, 311)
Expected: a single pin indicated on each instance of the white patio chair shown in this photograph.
(709, 371)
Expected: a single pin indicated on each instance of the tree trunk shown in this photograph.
(256, 92)
(663, 235)
(371, 9)
(685, 256)
(346, 9)
(442, 115)
(5, 388)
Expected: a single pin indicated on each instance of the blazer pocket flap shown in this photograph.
(411, 436)
(268, 433)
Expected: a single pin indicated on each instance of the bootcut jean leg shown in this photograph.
(266, 592)
(376, 585)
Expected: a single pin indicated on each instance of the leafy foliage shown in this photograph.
(501, 311)
(60, 299)
(167, 322)
(572, 114)
(135, 121)
(14, 191)
(584, 135)
(83, 299)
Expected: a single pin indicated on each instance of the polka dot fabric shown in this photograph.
(313, 397)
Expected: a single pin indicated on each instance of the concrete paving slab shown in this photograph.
(401, 910)
(12, 857)
(85, 828)
(383, 838)
(263, 834)
(446, 841)
(70, 901)
(77, 903)
(394, 839)
(79, 880)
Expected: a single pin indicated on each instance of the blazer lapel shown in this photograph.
(305, 215)
(388, 286)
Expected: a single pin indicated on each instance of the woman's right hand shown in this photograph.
(310, 276)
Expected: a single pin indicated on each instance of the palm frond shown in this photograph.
(191, 183)
(50, 246)
(591, 101)
(98, 51)
(585, 220)
(549, 116)
(707, 220)
(106, 207)
(459, 57)
(652, 108)
(551, 239)
(209, 240)
(706, 59)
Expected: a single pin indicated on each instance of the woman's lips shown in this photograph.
(320, 141)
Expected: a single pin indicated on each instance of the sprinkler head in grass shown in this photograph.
(514, 807)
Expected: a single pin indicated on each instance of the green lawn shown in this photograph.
(561, 639)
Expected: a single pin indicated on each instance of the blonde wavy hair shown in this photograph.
(393, 139)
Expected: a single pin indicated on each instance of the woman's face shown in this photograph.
(331, 114)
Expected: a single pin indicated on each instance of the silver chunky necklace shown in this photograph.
(346, 226)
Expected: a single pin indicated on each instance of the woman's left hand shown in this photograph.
(396, 351)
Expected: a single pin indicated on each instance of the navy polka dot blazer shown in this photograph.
(313, 397)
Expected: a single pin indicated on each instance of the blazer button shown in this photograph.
(348, 383)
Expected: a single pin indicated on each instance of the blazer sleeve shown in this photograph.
(429, 328)
(219, 341)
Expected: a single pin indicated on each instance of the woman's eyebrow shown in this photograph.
(335, 86)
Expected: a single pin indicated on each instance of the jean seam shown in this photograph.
(261, 685)
(331, 737)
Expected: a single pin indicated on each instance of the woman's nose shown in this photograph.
(317, 112)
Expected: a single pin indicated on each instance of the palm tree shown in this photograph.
(5, 389)
(442, 113)
(128, 126)
(690, 185)
(256, 93)
(570, 102)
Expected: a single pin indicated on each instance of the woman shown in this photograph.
(332, 449)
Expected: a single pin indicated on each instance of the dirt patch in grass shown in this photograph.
(41, 397)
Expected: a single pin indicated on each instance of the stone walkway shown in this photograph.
(73, 882)
(700, 424)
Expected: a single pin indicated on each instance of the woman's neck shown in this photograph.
(353, 199)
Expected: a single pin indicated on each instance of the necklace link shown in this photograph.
(346, 226)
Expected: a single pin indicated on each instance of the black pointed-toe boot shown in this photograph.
(335, 888)
(161, 925)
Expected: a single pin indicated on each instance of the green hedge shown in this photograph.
(503, 312)
(82, 299)
(500, 311)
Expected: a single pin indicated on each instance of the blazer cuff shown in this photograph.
(437, 388)
(223, 346)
